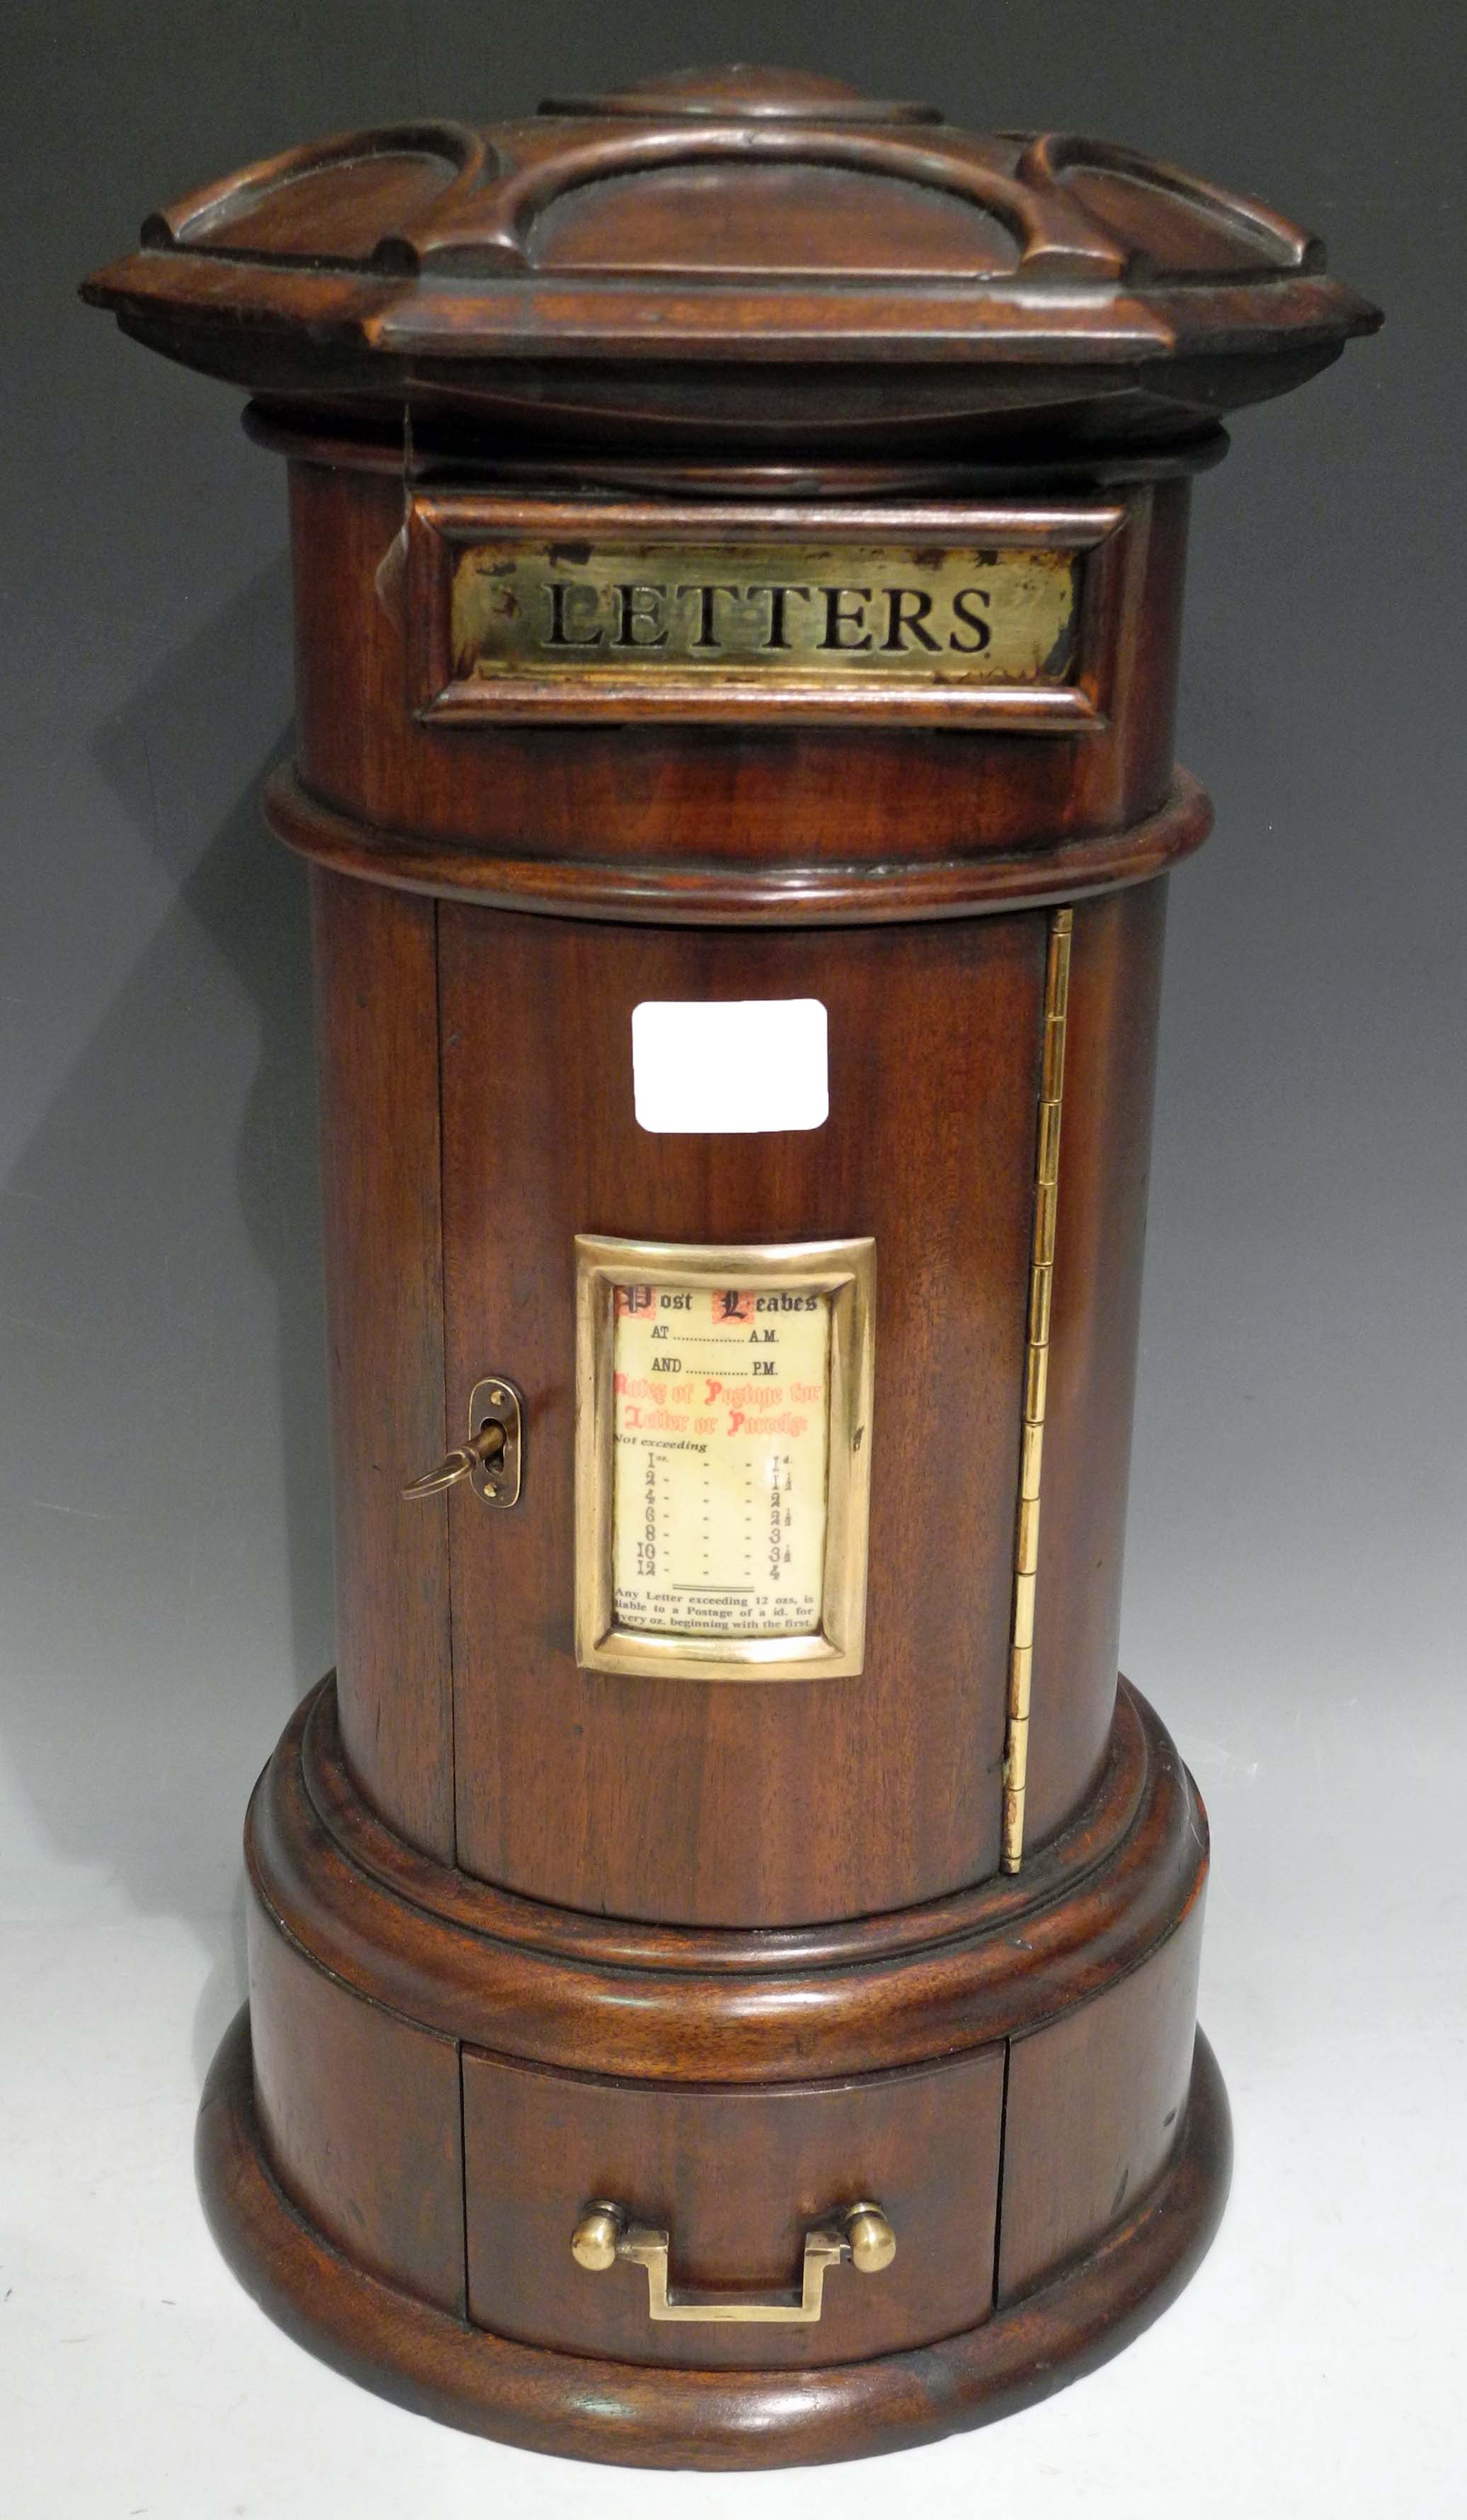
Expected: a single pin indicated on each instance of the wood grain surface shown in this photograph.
(882, 796)
(360, 2113)
(730, 1951)
(688, 2004)
(748, 1804)
(608, 264)
(923, 2144)
(576, 2405)
(1094, 2109)
(378, 1064)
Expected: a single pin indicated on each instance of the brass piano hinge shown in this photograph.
(1035, 1384)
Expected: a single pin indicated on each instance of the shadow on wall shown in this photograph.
(165, 1346)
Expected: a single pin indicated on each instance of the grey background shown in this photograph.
(1293, 1594)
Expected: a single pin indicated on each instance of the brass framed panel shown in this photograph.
(842, 1272)
(528, 609)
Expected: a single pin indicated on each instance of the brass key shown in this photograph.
(491, 1458)
(487, 1446)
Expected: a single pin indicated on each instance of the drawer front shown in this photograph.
(736, 2179)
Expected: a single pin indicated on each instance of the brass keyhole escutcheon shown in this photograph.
(491, 1458)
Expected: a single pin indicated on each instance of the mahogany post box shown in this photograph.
(723, 1945)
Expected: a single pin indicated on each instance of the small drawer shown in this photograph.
(737, 2178)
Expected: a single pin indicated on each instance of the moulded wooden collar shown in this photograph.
(733, 253)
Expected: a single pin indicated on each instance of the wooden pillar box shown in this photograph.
(723, 1946)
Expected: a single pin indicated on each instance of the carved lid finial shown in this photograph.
(739, 91)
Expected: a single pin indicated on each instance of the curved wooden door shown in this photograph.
(743, 1804)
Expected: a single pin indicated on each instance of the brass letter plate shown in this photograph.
(723, 1450)
(941, 617)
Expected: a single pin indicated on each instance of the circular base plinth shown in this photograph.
(636, 2417)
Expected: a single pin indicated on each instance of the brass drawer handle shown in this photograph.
(861, 2233)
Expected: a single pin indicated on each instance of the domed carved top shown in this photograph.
(660, 250)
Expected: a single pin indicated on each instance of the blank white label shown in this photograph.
(747, 1064)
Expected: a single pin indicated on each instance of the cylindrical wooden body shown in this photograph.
(477, 1098)
(500, 1045)
(724, 1941)
(525, 1933)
